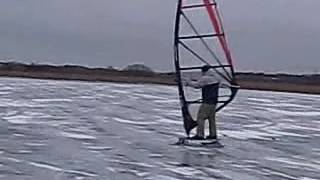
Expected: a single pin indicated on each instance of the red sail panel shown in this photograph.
(214, 17)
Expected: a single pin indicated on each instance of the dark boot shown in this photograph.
(196, 138)
(212, 137)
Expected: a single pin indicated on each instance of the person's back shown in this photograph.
(210, 93)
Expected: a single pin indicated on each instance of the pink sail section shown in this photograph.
(217, 25)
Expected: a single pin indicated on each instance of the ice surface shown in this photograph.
(75, 130)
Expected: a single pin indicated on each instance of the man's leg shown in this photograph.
(201, 117)
(212, 122)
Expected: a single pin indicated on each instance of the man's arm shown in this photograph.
(224, 85)
(227, 85)
(194, 84)
(203, 81)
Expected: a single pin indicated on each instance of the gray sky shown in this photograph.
(264, 35)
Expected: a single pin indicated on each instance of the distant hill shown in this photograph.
(73, 72)
(312, 79)
(138, 73)
(138, 68)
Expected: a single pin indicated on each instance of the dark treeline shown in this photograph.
(138, 73)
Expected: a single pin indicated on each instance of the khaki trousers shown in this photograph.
(207, 111)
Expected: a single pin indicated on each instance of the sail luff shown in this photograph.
(188, 122)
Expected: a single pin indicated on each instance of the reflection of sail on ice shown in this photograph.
(200, 40)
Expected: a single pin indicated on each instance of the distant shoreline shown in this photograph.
(309, 84)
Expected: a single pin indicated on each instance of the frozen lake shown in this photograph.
(59, 130)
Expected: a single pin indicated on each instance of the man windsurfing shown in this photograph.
(209, 86)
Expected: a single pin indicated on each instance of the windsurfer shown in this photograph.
(209, 85)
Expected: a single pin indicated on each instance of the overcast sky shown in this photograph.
(264, 35)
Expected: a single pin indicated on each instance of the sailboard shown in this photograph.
(214, 143)
(200, 40)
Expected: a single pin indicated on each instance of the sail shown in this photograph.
(200, 40)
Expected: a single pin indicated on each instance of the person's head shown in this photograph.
(205, 69)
